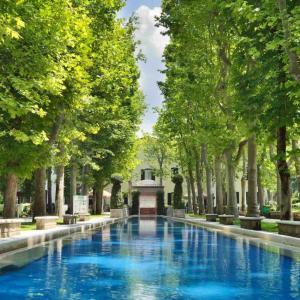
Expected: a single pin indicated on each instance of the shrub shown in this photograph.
(177, 197)
(26, 210)
(135, 203)
(160, 203)
(116, 195)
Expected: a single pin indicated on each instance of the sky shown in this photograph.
(152, 46)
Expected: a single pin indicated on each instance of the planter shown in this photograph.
(211, 217)
(253, 223)
(116, 213)
(125, 212)
(170, 211)
(226, 219)
(290, 228)
(179, 213)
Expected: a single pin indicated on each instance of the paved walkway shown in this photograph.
(30, 238)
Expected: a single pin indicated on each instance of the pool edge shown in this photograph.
(35, 238)
(269, 238)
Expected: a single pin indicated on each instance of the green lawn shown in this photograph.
(28, 226)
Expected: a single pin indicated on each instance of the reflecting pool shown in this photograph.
(150, 259)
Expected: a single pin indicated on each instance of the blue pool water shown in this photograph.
(152, 259)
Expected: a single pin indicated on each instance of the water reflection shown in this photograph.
(153, 259)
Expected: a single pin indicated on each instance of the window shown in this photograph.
(147, 174)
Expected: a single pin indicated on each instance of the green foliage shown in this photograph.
(135, 203)
(116, 200)
(69, 88)
(160, 203)
(177, 196)
(26, 210)
(228, 75)
(28, 226)
(159, 152)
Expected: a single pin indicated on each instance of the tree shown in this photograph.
(116, 196)
(159, 153)
(177, 196)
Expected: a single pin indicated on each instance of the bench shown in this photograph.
(274, 215)
(252, 223)
(10, 227)
(211, 217)
(226, 219)
(84, 217)
(296, 216)
(46, 222)
(291, 228)
(70, 219)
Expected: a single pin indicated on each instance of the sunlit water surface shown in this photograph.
(152, 259)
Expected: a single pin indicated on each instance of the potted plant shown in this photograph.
(116, 205)
(179, 208)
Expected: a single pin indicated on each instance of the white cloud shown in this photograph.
(152, 45)
(153, 42)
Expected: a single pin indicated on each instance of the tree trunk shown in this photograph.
(85, 187)
(39, 204)
(49, 191)
(59, 197)
(161, 174)
(278, 182)
(199, 174)
(278, 190)
(297, 164)
(283, 169)
(270, 196)
(210, 204)
(94, 199)
(130, 192)
(188, 183)
(73, 185)
(99, 200)
(10, 196)
(243, 184)
(224, 190)
(231, 201)
(252, 206)
(261, 191)
(219, 189)
(193, 190)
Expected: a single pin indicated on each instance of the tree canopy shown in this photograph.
(231, 80)
(69, 92)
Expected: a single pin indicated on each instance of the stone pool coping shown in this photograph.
(32, 238)
(264, 236)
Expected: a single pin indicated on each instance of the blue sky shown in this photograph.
(152, 45)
